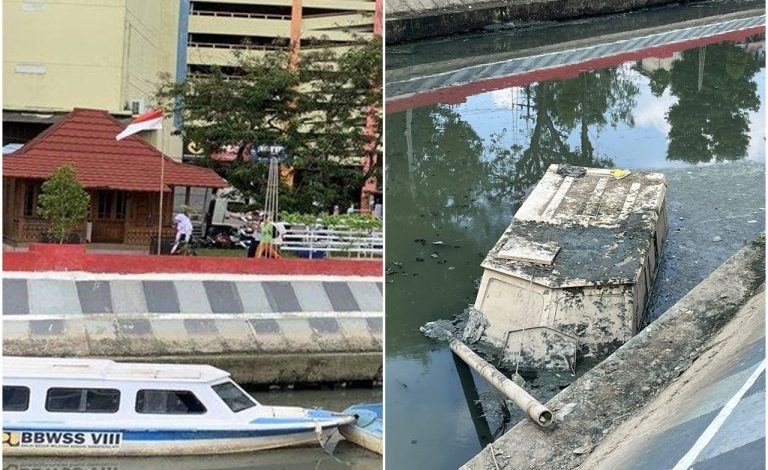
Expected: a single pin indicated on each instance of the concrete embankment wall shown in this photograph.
(409, 20)
(258, 349)
(263, 329)
(609, 394)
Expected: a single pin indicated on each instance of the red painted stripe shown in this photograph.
(148, 116)
(73, 258)
(458, 94)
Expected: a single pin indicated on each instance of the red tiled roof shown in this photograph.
(85, 139)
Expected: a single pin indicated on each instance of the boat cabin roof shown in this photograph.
(105, 369)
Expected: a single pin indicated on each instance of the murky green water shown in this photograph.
(456, 174)
(345, 455)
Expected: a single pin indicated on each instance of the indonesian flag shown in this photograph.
(143, 122)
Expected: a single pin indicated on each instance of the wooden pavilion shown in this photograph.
(122, 177)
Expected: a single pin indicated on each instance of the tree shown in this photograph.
(63, 202)
(316, 113)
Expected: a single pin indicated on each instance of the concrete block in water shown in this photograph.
(475, 326)
(609, 233)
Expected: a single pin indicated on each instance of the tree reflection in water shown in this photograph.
(583, 104)
(715, 91)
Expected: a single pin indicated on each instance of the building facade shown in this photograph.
(218, 27)
(105, 54)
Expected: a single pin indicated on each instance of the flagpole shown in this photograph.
(162, 175)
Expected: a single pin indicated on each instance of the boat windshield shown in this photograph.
(236, 399)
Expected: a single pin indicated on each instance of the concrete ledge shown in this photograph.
(72, 294)
(606, 396)
(407, 20)
(283, 348)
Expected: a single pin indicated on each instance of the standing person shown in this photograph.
(255, 225)
(266, 238)
(336, 210)
(183, 230)
(277, 239)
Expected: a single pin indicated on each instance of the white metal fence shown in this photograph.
(319, 242)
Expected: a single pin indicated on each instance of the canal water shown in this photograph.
(343, 454)
(456, 174)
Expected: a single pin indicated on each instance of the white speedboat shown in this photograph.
(95, 407)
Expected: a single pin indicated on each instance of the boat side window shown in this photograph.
(82, 400)
(235, 399)
(15, 398)
(173, 402)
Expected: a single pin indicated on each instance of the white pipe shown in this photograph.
(539, 413)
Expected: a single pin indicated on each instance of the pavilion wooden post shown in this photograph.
(162, 176)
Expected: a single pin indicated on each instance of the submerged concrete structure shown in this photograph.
(572, 273)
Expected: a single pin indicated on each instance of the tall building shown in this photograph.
(218, 27)
(67, 54)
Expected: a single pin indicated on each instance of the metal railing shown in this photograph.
(226, 14)
(319, 242)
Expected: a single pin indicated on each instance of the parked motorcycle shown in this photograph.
(221, 238)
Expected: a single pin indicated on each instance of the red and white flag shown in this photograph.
(143, 122)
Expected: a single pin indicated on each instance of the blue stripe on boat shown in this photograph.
(173, 435)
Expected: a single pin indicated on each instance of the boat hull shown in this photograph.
(361, 437)
(367, 431)
(153, 443)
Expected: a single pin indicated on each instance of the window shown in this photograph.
(111, 205)
(15, 398)
(105, 205)
(82, 400)
(31, 191)
(173, 402)
(235, 399)
(120, 203)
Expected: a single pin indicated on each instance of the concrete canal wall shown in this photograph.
(263, 329)
(452, 81)
(625, 383)
(410, 20)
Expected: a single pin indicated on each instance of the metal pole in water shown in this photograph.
(539, 413)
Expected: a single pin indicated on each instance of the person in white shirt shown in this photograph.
(183, 230)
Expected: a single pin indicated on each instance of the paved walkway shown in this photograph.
(711, 418)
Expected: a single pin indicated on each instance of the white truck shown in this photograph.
(225, 211)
